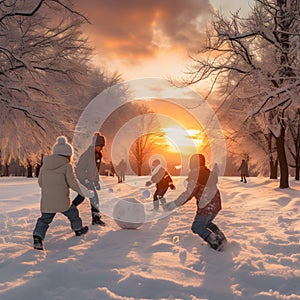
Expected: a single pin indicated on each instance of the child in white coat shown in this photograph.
(56, 177)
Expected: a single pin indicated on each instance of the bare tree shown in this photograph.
(150, 139)
(136, 133)
(259, 53)
(145, 146)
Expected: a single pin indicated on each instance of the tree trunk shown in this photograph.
(29, 171)
(6, 170)
(37, 170)
(284, 172)
(297, 170)
(38, 166)
(139, 169)
(273, 168)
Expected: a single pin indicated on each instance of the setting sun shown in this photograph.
(183, 140)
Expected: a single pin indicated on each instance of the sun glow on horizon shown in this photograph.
(182, 140)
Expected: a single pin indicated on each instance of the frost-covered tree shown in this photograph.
(42, 52)
(293, 144)
(253, 137)
(257, 59)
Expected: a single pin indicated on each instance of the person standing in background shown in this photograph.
(121, 170)
(244, 171)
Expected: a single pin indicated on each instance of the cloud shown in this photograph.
(137, 29)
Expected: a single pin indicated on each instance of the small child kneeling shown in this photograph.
(202, 184)
(56, 177)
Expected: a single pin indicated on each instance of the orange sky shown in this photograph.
(149, 38)
(182, 129)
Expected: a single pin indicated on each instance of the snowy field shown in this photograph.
(163, 259)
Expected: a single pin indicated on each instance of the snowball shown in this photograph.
(146, 194)
(129, 213)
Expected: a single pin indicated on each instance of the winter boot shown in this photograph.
(81, 231)
(215, 229)
(213, 241)
(155, 205)
(38, 243)
(163, 202)
(96, 219)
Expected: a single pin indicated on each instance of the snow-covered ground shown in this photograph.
(162, 259)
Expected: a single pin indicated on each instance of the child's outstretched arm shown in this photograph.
(183, 197)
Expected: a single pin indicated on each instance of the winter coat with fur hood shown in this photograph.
(55, 179)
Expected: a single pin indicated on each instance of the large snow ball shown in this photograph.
(129, 213)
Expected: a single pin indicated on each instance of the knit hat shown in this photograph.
(62, 147)
(196, 161)
(98, 140)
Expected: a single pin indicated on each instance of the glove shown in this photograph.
(148, 183)
(97, 186)
(172, 187)
(86, 192)
(170, 206)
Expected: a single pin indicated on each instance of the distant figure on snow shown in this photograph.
(111, 170)
(244, 171)
(87, 171)
(163, 181)
(56, 177)
(121, 170)
(202, 184)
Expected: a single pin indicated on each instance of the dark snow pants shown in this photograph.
(201, 225)
(43, 222)
(159, 197)
(94, 200)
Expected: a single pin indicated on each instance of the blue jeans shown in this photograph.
(201, 224)
(95, 200)
(43, 222)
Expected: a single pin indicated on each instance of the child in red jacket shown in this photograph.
(163, 181)
(202, 184)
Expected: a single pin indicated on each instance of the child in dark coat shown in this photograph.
(202, 184)
(163, 181)
(87, 171)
